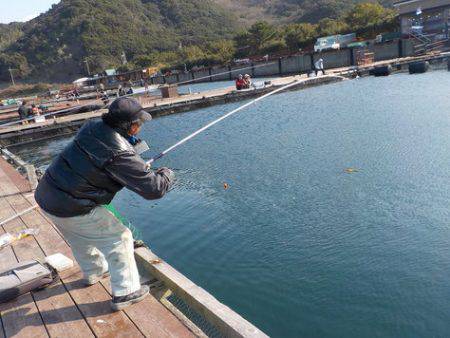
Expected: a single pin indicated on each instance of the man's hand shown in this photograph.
(169, 174)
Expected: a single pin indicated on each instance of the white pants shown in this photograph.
(100, 242)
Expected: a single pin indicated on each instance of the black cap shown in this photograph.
(128, 109)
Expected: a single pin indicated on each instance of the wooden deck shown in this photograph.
(66, 309)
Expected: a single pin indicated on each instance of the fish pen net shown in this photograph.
(193, 316)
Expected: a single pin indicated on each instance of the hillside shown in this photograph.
(9, 34)
(56, 44)
(60, 44)
(289, 11)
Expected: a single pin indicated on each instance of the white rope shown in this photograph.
(18, 215)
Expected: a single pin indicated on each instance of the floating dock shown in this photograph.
(68, 309)
(58, 126)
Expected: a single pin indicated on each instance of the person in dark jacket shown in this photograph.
(85, 177)
(24, 112)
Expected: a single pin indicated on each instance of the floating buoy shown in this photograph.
(381, 71)
(225, 186)
(351, 170)
(418, 67)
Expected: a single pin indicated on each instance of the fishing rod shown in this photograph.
(223, 117)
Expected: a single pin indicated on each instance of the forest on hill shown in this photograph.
(291, 11)
(60, 44)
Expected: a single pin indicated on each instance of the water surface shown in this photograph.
(297, 245)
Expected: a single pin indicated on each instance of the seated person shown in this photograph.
(247, 81)
(240, 83)
(35, 111)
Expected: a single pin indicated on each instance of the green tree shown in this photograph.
(299, 35)
(260, 33)
(329, 26)
(222, 51)
(15, 61)
(367, 14)
(144, 61)
(193, 55)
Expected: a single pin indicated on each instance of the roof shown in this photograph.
(110, 72)
(411, 6)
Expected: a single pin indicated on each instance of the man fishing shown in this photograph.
(99, 162)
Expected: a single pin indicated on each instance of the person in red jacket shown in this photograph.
(240, 82)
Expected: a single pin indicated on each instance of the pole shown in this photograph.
(209, 125)
(12, 76)
(86, 61)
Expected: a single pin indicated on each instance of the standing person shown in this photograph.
(318, 66)
(104, 97)
(121, 91)
(24, 112)
(84, 178)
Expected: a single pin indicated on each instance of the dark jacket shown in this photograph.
(24, 112)
(92, 169)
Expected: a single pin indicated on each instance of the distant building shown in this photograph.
(424, 17)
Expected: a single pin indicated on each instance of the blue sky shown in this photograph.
(23, 10)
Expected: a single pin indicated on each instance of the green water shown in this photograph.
(296, 245)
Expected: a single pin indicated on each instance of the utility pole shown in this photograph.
(86, 61)
(12, 76)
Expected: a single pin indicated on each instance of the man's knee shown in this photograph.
(127, 236)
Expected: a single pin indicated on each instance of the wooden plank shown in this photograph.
(14, 175)
(56, 307)
(60, 313)
(21, 316)
(93, 302)
(153, 318)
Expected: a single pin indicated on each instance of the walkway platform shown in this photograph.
(66, 309)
